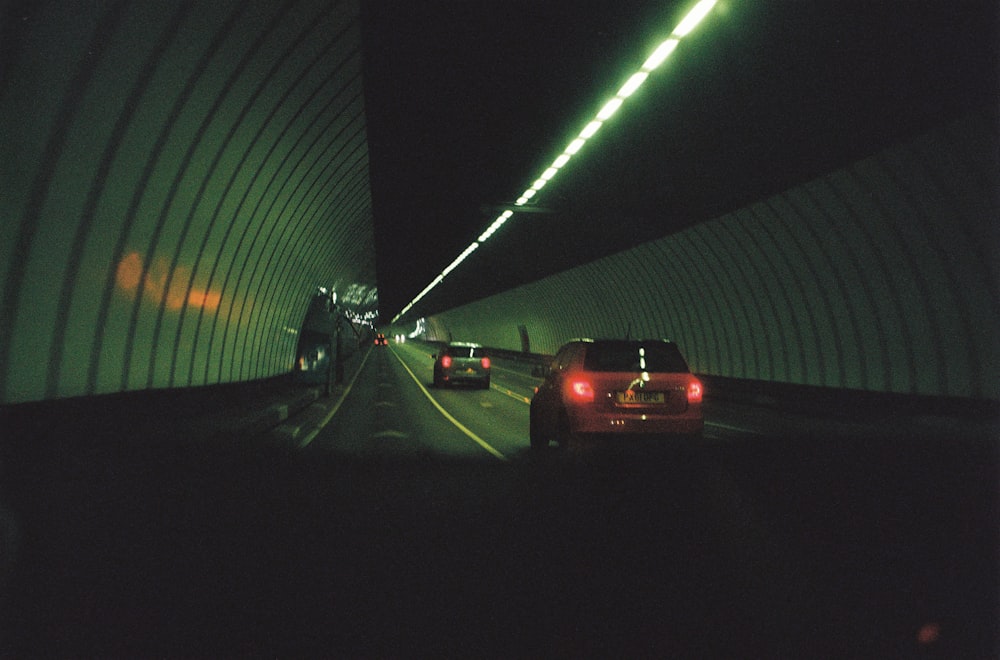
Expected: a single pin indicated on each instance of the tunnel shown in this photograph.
(193, 217)
(171, 233)
(177, 184)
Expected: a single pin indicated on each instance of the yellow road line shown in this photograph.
(513, 395)
(336, 406)
(482, 443)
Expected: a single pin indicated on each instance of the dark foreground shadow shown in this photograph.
(774, 550)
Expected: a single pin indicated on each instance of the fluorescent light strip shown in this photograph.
(589, 130)
(633, 84)
(693, 18)
(609, 109)
(662, 52)
(434, 283)
(496, 225)
(469, 250)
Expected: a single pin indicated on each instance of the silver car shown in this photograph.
(462, 362)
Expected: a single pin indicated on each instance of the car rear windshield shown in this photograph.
(634, 356)
(466, 351)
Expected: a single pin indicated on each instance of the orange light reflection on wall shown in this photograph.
(129, 272)
(154, 285)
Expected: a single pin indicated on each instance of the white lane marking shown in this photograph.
(731, 428)
(333, 411)
(515, 372)
(482, 443)
(399, 435)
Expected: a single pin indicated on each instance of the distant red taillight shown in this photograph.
(694, 392)
(580, 390)
(485, 362)
(446, 362)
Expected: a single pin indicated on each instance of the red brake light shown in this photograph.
(446, 361)
(694, 392)
(581, 390)
(485, 362)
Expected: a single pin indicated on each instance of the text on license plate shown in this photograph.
(638, 396)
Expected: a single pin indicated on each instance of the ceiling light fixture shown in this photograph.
(659, 55)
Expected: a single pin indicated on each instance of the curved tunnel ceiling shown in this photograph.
(178, 178)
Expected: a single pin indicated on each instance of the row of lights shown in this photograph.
(692, 19)
(367, 318)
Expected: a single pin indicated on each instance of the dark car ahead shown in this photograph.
(613, 388)
(462, 362)
(380, 340)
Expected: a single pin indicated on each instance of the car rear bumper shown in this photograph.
(462, 377)
(637, 424)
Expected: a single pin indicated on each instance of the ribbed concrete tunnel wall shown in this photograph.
(880, 276)
(177, 179)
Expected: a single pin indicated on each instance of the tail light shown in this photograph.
(446, 361)
(485, 362)
(694, 392)
(580, 390)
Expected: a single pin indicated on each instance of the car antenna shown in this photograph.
(628, 331)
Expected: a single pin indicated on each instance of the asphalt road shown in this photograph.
(415, 522)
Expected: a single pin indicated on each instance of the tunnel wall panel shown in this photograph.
(178, 178)
(880, 276)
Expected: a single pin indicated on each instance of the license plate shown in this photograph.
(639, 396)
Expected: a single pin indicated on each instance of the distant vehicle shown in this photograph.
(613, 388)
(462, 362)
(380, 340)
